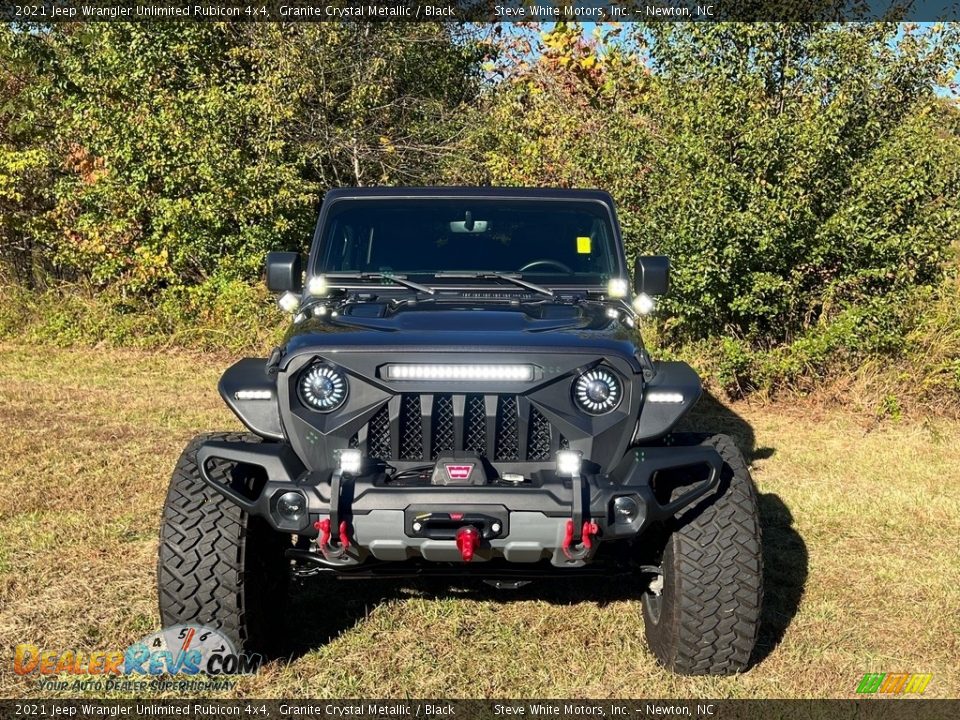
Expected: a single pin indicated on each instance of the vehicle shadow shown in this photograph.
(785, 570)
(785, 556)
(323, 609)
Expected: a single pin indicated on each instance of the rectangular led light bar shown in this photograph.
(664, 397)
(473, 373)
(253, 395)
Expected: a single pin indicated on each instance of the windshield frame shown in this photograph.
(617, 246)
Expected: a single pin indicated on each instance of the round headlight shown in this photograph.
(597, 391)
(323, 388)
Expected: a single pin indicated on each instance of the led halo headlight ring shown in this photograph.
(322, 388)
(598, 391)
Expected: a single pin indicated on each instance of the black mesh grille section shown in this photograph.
(475, 425)
(508, 429)
(540, 435)
(411, 431)
(354, 441)
(441, 425)
(378, 435)
(538, 444)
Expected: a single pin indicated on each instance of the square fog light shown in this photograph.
(350, 461)
(568, 462)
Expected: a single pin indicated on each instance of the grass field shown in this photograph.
(861, 526)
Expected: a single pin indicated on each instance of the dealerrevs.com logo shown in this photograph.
(894, 683)
(178, 650)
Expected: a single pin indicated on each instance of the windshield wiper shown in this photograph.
(514, 278)
(398, 279)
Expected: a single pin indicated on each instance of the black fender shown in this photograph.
(251, 393)
(675, 381)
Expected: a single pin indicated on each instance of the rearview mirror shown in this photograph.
(475, 226)
(652, 275)
(284, 272)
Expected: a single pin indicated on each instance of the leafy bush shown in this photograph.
(808, 172)
(216, 315)
(804, 180)
(176, 155)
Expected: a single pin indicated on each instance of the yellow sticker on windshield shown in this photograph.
(583, 246)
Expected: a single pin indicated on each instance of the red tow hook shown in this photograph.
(587, 533)
(468, 540)
(567, 539)
(589, 528)
(323, 526)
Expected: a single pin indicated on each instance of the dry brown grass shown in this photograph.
(861, 525)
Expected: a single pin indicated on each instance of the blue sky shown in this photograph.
(588, 28)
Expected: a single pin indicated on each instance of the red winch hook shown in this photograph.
(468, 540)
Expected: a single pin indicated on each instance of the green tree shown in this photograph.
(25, 162)
(565, 111)
(806, 171)
(804, 179)
(178, 154)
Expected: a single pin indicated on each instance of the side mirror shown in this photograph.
(652, 275)
(284, 272)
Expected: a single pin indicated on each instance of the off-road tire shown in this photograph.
(706, 620)
(217, 565)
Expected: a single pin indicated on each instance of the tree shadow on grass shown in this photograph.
(323, 609)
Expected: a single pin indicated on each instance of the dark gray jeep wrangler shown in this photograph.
(463, 392)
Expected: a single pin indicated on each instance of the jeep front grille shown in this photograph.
(424, 426)
(508, 431)
(411, 428)
(378, 434)
(475, 425)
(442, 426)
(540, 436)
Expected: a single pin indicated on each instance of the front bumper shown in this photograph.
(524, 523)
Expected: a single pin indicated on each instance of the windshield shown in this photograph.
(554, 242)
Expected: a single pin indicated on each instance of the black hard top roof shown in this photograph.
(476, 192)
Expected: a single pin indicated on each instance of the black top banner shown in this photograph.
(55, 11)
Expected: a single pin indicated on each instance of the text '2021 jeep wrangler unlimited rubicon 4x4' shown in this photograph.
(463, 392)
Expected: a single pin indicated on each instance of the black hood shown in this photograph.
(584, 326)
